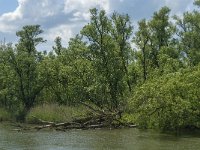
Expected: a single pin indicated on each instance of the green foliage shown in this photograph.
(169, 102)
(197, 2)
(20, 70)
(110, 52)
(158, 50)
(156, 69)
(7, 79)
(5, 115)
(69, 73)
(188, 31)
(58, 48)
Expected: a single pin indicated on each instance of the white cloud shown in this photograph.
(178, 6)
(41, 8)
(64, 31)
(57, 17)
(65, 18)
(11, 16)
(80, 8)
(7, 19)
(85, 5)
(81, 15)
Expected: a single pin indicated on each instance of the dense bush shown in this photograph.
(169, 102)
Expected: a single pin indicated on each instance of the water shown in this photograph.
(123, 139)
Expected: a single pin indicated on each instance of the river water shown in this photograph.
(122, 139)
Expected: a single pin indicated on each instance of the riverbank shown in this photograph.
(49, 112)
(64, 118)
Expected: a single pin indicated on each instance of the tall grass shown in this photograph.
(55, 113)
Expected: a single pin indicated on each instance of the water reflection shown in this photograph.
(126, 139)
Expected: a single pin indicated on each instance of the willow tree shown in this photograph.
(7, 80)
(24, 61)
(142, 39)
(121, 32)
(189, 32)
(161, 33)
(69, 73)
(108, 50)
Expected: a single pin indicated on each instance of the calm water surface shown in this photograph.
(123, 139)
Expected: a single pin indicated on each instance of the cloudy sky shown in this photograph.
(65, 18)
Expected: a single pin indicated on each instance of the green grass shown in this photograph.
(5, 115)
(55, 113)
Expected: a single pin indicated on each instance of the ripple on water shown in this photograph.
(133, 139)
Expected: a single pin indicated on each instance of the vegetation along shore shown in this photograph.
(111, 75)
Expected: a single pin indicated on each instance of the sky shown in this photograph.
(65, 18)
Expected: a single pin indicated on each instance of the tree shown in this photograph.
(82, 72)
(121, 32)
(189, 32)
(197, 3)
(58, 47)
(24, 61)
(161, 32)
(106, 58)
(142, 39)
(7, 79)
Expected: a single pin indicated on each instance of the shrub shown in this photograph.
(169, 102)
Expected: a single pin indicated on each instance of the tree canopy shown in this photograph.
(151, 72)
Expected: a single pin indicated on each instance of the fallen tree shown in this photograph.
(91, 122)
(98, 118)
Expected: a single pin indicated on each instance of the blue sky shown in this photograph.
(7, 5)
(65, 18)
